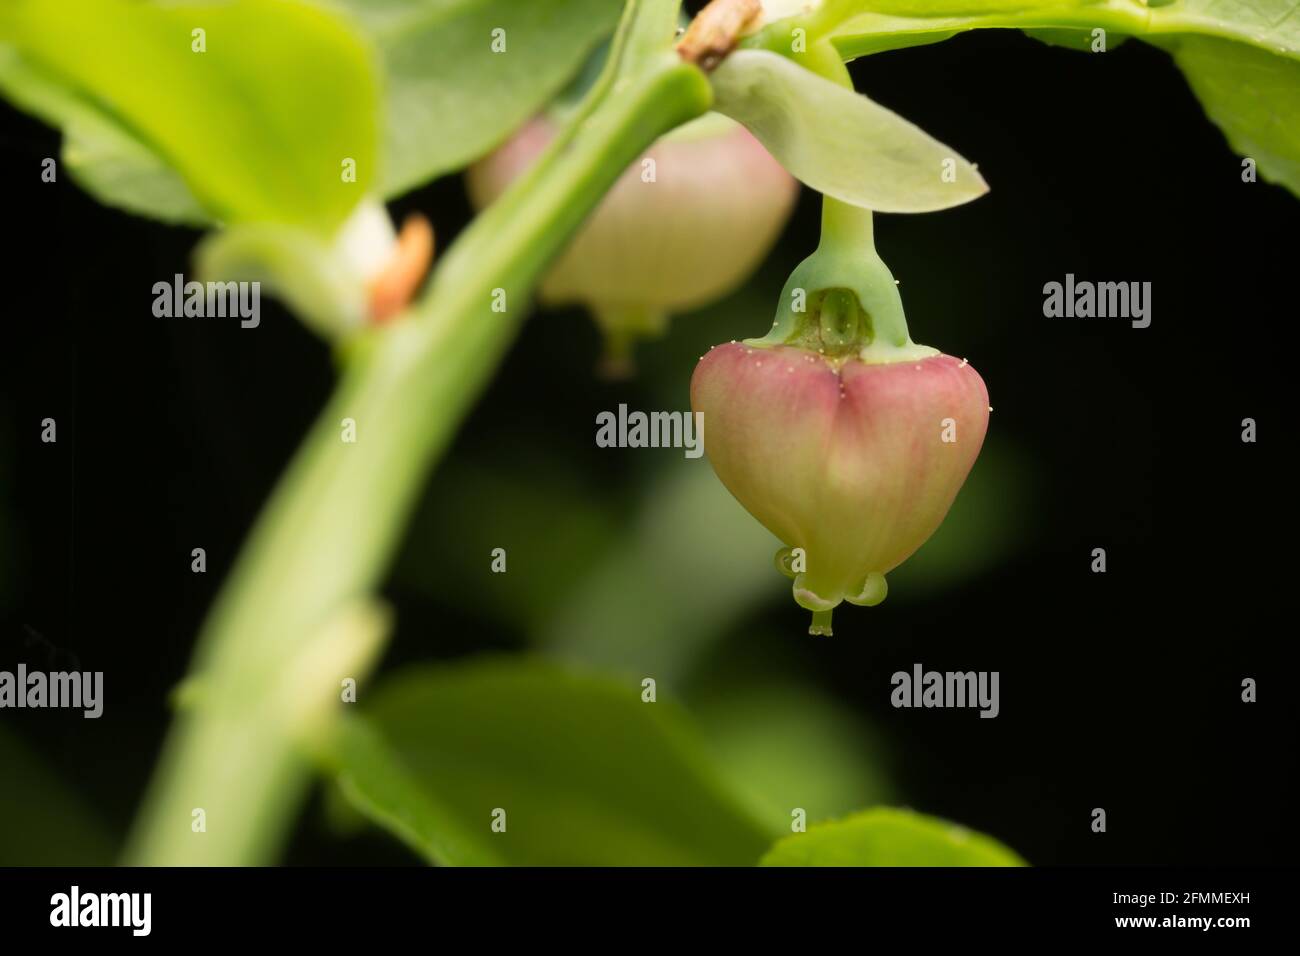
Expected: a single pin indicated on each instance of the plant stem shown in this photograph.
(848, 243)
(621, 328)
(845, 261)
(859, 31)
(295, 619)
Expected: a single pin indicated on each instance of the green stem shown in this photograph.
(844, 262)
(856, 30)
(847, 255)
(621, 328)
(1119, 18)
(294, 619)
(847, 226)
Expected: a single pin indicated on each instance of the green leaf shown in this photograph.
(889, 837)
(257, 126)
(450, 97)
(119, 170)
(551, 524)
(1270, 25)
(1239, 55)
(783, 744)
(689, 530)
(1254, 97)
(373, 779)
(100, 154)
(42, 821)
(1078, 40)
(1242, 60)
(888, 24)
(585, 771)
(838, 142)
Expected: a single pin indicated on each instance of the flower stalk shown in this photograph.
(295, 617)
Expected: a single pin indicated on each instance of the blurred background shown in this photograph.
(1119, 690)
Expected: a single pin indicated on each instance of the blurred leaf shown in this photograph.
(889, 837)
(784, 745)
(373, 779)
(450, 98)
(98, 152)
(257, 126)
(551, 526)
(586, 772)
(839, 142)
(1253, 96)
(42, 822)
(118, 170)
(694, 563)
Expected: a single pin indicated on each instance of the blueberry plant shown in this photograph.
(281, 127)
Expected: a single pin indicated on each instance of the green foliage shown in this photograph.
(373, 779)
(187, 146)
(1270, 25)
(689, 530)
(1239, 56)
(1077, 40)
(257, 124)
(860, 27)
(552, 524)
(102, 155)
(256, 129)
(450, 97)
(1253, 97)
(889, 837)
(586, 772)
(782, 744)
(840, 143)
(42, 821)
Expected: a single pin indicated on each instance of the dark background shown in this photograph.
(1119, 690)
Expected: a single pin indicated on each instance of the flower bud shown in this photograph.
(855, 463)
(682, 227)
